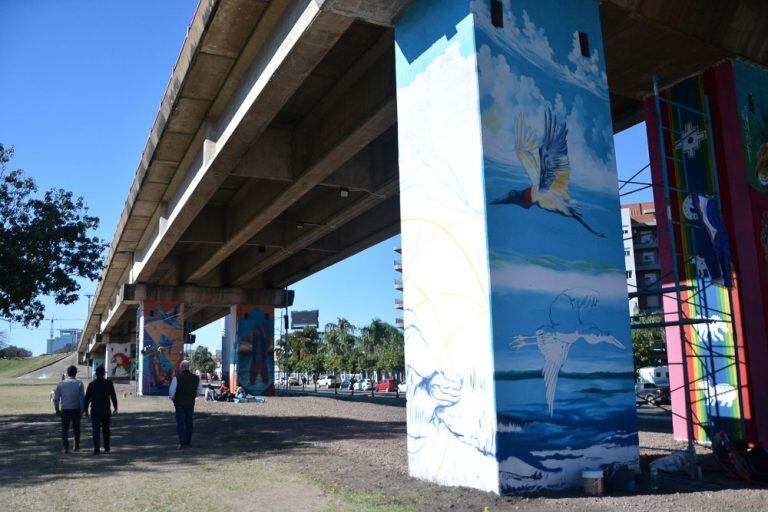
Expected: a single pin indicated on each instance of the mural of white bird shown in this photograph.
(548, 168)
(566, 311)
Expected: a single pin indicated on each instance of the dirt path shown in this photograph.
(290, 453)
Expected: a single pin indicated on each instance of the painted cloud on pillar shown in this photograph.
(522, 38)
(507, 94)
(451, 413)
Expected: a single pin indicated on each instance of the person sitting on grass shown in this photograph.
(225, 395)
(240, 393)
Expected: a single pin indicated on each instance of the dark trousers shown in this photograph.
(100, 425)
(70, 416)
(184, 423)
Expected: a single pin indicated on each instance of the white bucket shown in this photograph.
(592, 482)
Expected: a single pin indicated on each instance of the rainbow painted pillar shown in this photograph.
(248, 354)
(518, 351)
(722, 355)
(161, 345)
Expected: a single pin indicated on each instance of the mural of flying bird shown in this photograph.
(548, 168)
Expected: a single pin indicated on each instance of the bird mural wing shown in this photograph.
(555, 171)
(555, 352)
(525, 149)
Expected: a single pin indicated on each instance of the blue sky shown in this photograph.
(82, 82)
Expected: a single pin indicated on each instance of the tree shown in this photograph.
(44, 245)
(648, 343)
(392, 357)
(203, 360)
(14, 352)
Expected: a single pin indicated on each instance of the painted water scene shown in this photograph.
(562, 347)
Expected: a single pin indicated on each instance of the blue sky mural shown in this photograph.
(562, 347)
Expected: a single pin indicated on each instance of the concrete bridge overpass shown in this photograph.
(275, 154)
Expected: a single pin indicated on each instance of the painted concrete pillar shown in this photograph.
(118, 360)
(161, 345)
(738, 97)
(518, 351)
(250, 350)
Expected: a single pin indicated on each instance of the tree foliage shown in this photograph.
(648, 343)
(342, 347)
(44, 245)
(14, 352)
(202, 360)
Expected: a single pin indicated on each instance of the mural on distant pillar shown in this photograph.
(254, 348)
(518, 350)
(162, 345)
(118, 360)
(97, 361)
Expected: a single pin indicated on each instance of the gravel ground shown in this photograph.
(336, 450)
(365, 450)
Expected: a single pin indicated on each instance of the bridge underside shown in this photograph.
(274, 152)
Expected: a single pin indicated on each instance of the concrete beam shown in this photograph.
(363, 108)
(198, 296)
(376, 225)
(377, 12)
(295, 46)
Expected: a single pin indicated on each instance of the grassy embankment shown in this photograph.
(12, 368)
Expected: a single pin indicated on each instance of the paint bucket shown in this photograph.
(592, 482)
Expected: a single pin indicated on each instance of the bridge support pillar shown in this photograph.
(736, 134)
(161, 344)
(118, 360)
(248, 348)
(518, 351)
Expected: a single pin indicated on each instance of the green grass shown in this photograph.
(12, 368)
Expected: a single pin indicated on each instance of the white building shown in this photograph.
(629, 257)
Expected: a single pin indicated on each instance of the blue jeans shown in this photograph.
(184, 423)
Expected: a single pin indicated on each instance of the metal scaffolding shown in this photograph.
(684, 290)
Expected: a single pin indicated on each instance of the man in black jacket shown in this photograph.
(185, 387)
(100, 392)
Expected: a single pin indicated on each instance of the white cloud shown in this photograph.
(530, 42)
(510, 94)
(534, 278)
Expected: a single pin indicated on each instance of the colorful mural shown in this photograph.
(517, 332)
(118, 360)
(162, 345)
(254, 349)
(705, 266)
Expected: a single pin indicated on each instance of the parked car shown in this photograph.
(364, 384)
(386, 385)
(348, 384)
(663, 395)
(646, 392)
(326, 381)
(402, 387)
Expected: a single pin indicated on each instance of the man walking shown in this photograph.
(100, 392)
(70, 393)
(185, 387)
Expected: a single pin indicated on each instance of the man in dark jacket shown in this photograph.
(100, 392)
(185, 387)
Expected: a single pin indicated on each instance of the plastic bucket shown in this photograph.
(592, 482)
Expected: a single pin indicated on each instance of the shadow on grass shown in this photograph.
(146, 441)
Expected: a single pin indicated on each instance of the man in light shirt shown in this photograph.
(185, 387)
(71, 394)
